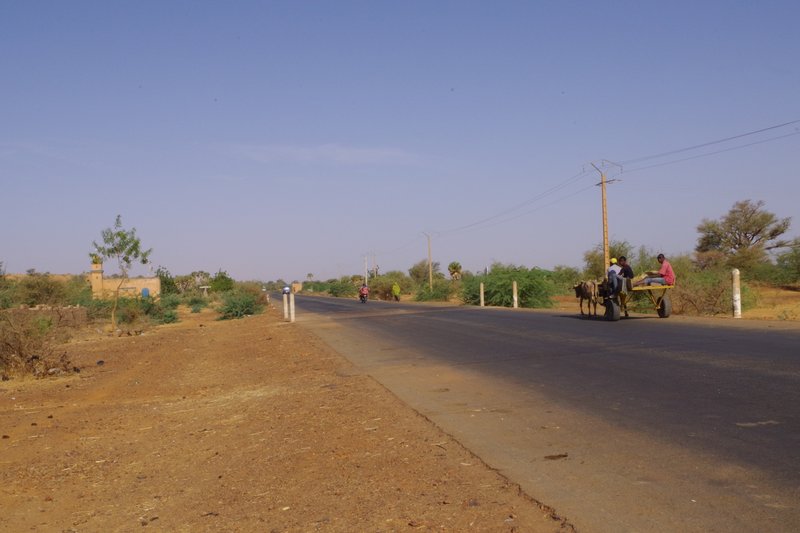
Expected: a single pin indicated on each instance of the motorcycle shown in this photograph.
(363, 298)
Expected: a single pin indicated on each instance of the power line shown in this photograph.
(524, 213)
(502, 216)
(710, 143)
(520, 205)
(713, 153)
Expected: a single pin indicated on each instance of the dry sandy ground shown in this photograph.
(247, 425)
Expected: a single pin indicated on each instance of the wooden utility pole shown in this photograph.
(606, 257)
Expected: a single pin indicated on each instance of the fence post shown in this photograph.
(482, 299)
(737, 294)
(516, 298)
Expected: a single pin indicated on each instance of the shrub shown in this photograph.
(381, 286)
(196, 303)
(238, 303)
(35, 289)
(344, 287)
(130, 310)
(169, 316)
(221, 282)
(441, 291)
(563, 278)
(27, 345)
(98, 309)
(8, 294)
(706, 292)
(163, 311)
(170, 301)
(534, 288)
(77, 291)
(168, 285)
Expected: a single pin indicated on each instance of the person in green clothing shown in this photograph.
(396, 291)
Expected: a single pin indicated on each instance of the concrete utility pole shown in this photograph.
(366, 270)
(602, 185)
(606, 257)
(430, 263)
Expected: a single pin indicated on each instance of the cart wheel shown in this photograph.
(612, 310)
(665, 307)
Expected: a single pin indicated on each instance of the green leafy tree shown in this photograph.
(744, 235)
(168, 285)
(564, 277)
(419, 272)
(789, 265)
(124, 247)
(593, 259)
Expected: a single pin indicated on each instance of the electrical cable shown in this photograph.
(712, 153)
(703, 145)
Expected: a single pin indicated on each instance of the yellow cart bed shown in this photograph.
(618, 304)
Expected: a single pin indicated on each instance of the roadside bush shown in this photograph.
(707, 292)
(196, 303)
(169, 316)
(162, 311)
(534, 288)
(170, 301)
(131, 310)
(8, 294)
(316, 286)
(381, 286)
(343, 288)
(77, 291)
(221, 282)
(441, 291)
(28, 345)
(239, 303)
(564, 278)
(99, 309)
(40, 289)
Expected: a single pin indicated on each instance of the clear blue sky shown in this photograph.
(276, 139)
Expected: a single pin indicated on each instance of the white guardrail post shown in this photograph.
(291, 307)
(516, 297)
(483, 302)
(737, 294)
(285, 306)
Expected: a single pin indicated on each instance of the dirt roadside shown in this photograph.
(247, 425)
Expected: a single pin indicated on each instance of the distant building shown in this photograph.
(133, 287)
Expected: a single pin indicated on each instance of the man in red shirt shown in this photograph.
(666, 276)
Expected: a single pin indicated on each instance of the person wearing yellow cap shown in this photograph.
(614, 280)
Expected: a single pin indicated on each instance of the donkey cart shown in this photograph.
(615, 304)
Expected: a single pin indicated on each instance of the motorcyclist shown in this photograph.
(363, 292)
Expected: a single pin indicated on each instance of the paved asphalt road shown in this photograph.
(645, 424)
